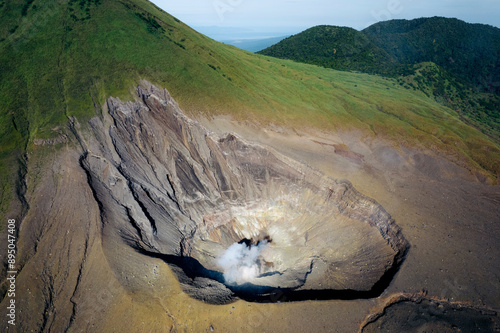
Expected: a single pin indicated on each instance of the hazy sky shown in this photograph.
(298, 14)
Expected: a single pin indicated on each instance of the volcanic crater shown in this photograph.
(172, 189)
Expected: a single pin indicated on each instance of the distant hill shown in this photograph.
(466, 75)
(470, 51)
(340, 48)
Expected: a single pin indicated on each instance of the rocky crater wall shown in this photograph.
(172, 189)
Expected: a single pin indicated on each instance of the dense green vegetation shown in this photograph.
(340, 48)
(466, 75)
(63, 59)
(471, 52)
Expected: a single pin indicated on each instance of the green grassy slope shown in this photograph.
(60, 59)
(468, 57)
(478, 108)
(469, 51)
(465, 77)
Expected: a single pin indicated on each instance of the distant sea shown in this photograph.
(253, 44)
(249, 39)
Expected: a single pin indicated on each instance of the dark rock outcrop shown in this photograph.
(421, 313)
(172, 189)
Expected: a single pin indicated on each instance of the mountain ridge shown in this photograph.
(386, 37)
(467, 56)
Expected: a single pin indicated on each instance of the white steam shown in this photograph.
(240, 262)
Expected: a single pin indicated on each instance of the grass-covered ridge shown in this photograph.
(469, 51)
(466, 71)
(62, 59)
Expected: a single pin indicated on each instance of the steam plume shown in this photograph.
(240, 262)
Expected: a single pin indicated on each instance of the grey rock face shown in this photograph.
(172, 189)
